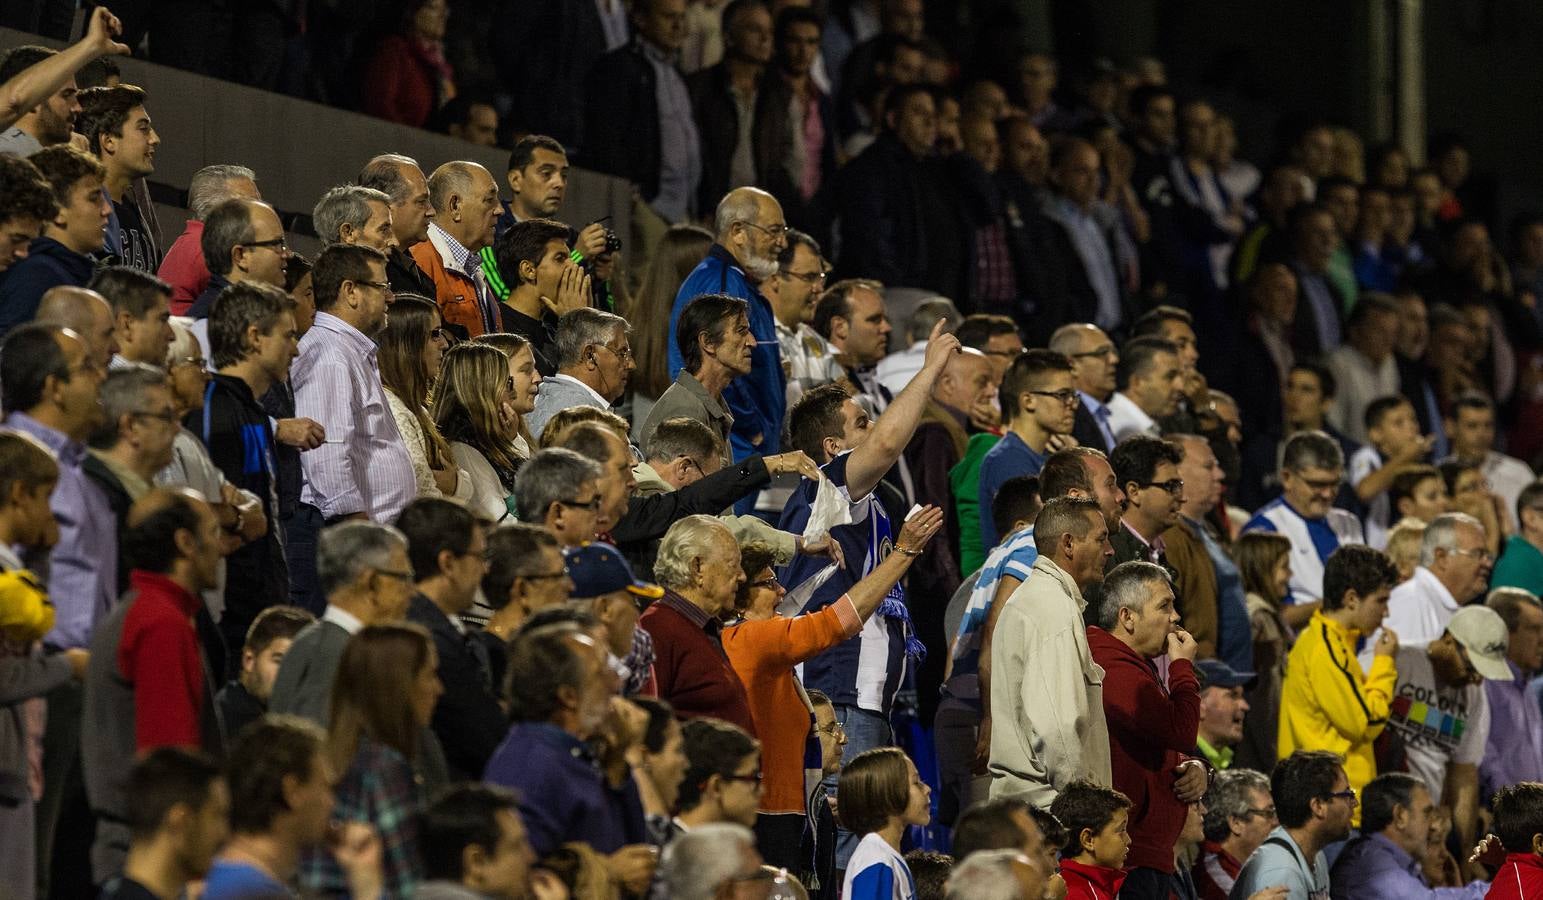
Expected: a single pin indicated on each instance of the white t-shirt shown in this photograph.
(1379, 513)
(1438, 725)
(877, 872)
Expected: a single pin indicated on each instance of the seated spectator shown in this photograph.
(881, 796)
(681, 452)
(1364, 367)
(765, 647)
(997, 875)
(400, 179)
(698, 566)
(147, 685)
(1519, 826)
(412, 349)
(1152, 725)
(1150, 382)
(723, 777)
(350, 214)
(384, 695)
(607, 445)
(538, 282)
(1403, 548)
(62, 255)
(1515, 750)
(118, 131)
(183, 267)
(1328, 702)
(1222, 710)
(28, 206)
(1239, 815)
(177, 817)
(558, 489)
(1098, 260)
(713, 332)
(365, 575)
(1202, 549)
(1315, 803)
(710, 860)
(244, 699)
(594, 362)
(281, 804)
(1098, 839)
(526, 573)
(605, 589)
(1039, 404)
(408, 78)
(897, 369)
(1384, 862)
(242, 240)
(473, 844)
(1311, 469)
(470, 117)
(1395, 446)
(465, 201)
(1468, 492)
(1521, 562)
(472, 396)
(929, 870)
(1454, 570)
(1419, 494)
(527, 384)
(999, 824)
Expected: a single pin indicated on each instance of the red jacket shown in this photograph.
(159, 655)
(1150, 733)
(1085, 882)
(690, 667)
(1521, 878)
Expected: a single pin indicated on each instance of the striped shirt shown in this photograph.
(1312, 540)
(877, 872)
(363, 466)
(1015, 556)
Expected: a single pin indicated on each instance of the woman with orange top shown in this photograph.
(763, 647)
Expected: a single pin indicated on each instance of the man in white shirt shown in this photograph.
(594, 361)
(1471, 426)
(1454, 568)
(897, 369)
(810, 361)
(1151, 383)
(1364, 367)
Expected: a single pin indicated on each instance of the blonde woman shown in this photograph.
(474, 409)
(527, 382)
(412, 349)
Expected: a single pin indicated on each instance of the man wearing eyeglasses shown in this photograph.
(1039, 403)
(1315, 803)
(243, 240)
(1094, 358)
(142, 420)
(807, 358)
(1454, 570)
(1239, 815)
(1147, 469)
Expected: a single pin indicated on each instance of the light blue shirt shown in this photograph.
(1097, 259)
(1100, 413)
(1279, 862)
(680, 150)
(1375, 868)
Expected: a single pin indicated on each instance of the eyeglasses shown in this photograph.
(1172, 485)
(560, 573)
(279, 245)
(384, 286)
(753, 778)
(776, 231)
(692, 462)
(1105, 351)
(834, 729)
(1264, 812)
(624, 354)
(767, 583)
(1478, 553)
(591, 505)
(1010, 354)
(805, 277)
(166, 415)
(1067, 397)
(196, 361)
(438, 334)
(1320, 484)
(1348, 795)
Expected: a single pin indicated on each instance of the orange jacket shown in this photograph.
(455, 293)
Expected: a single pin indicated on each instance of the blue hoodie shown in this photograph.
(48, 264)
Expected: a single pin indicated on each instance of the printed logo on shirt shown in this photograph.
(1425, 717)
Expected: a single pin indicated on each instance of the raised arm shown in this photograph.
(871, 459)
(31, 86)
(868, 593)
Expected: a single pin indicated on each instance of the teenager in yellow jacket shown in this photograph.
(1328, 702)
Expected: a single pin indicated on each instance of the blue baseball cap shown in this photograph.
(598, 569)
(1215, 673)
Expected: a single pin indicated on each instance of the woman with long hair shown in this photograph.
(527, 381)
(1264, 561)
(383, 698)
(474, 410)
(679, 251)
(412, 347)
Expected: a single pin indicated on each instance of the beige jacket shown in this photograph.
(1047, 703)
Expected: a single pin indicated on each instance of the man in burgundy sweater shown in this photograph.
(698, 566)
(1151, 727)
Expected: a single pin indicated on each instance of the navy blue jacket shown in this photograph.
(48, 264)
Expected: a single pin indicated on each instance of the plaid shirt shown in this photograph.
(381, 789)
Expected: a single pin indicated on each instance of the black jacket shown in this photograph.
(1085, 430)
(648, 518)
(717, 122)
(553, 44)
(202, 303)
(776, 132)
(467, 719)
(898, 225)
(48, 265)
(621, 129)
(405, 277)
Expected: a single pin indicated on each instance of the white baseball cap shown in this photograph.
(1483, 633)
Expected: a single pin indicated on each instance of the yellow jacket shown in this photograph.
(1329, 703)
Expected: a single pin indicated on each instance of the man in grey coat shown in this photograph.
(594, 361)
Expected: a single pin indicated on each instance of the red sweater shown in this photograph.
(1150, 732)
(160, 657)
(1085, 882)
(1521, 878)
(690, 667)
(183, 268)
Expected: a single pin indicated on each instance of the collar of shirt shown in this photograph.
(1134, 411)
(693, 613)
(1397, 854)
(654, 54)
(70, 451)
(1218, 757)
(154, 582)
(1155, 545)
(1099, 409)
(9, 561)
(328, 322)
(342, 618)
(458, 253)
(1432, 586)
(715, 407)
(569, 379)
(133, 483)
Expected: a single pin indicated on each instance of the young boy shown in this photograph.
(1395, 445)
(1093, 860)
(245, 698)
(1519, 825)
(1418, 492)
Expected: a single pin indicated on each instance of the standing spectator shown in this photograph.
(87, 314)
(1364, 368)
(243, 240)
(1320, 305)
(1515, 750)
(594, 363)
(412, 349)
(244, 699)
(447, 551)
(471, 411)
(350, 214)
(400, 179)
(141, 315)
(134, 441)
(178, 810)
(385, 693)
(717, 347)
(1222, 708)
(1095, 362)
(1152, 726)
(1204, 487)
(645, 132)
(148, 685)
(28, 206)
(1328, 702)
(1048, 726)
(1395, 455)
(541, 282)
(1039, 404)
(538, 183)
(750, 236)
(465, 201)
(1148, 472)
(558, 490)
(183, 267)
(1151, 384)
(800, 122)
(881, 796)
(1384, 863)
(1239, 815)
(1264, 562)
(474, 845)
(698, 566)
(1098, 259)
(409, 78)
(571, 38)
(526, 574)
(1519, 825)
(281, 793)
(50, 122)
(366, 472)
(62, 255)
(252, 333)
(801, 276)
(1312, 467)
(723, 777)
(1472, 430)
(363, 571)
(118, 130)
(1314, 803)
(852, 318)
(1454, 570)
(728, 102)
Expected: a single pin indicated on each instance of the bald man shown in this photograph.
(465, 200)
(85, 312)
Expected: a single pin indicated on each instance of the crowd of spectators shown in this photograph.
(1121, 519)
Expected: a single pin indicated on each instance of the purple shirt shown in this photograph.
(363, 466)
(1515, 749)
(1374, 868)
(563, 794)
(82, 570)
